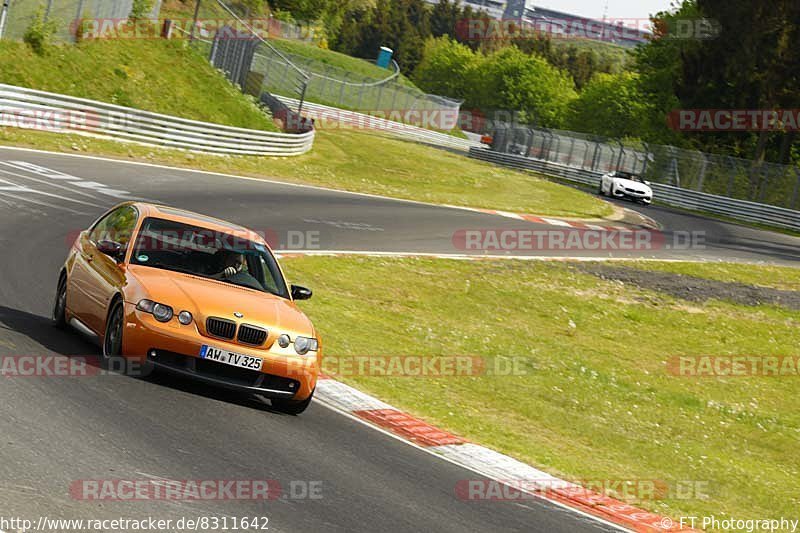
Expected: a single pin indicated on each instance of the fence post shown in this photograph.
(360, 95)
(342, 88)
(47, 11)
(732, 177)
(571, 148)
(3, 16)
(380, 95)
(621, 152)
(194, 22)
(646, 159)
(702, 177)
(595, 155)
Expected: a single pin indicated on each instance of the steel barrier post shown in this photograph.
(3, 17)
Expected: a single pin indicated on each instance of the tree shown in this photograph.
(447, 68)
(511, 80)
(610, 105)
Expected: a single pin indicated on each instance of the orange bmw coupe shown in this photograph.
(194, 295)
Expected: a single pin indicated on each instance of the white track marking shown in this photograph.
(51, 184)
(508, 214)
(556, 222)
(325, 403)
(36, 169)
(39, 202)
(73, 180)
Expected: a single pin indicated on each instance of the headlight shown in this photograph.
(284, 341)
(185, 318)
(161, 312)
(145, 305)
(303, 345)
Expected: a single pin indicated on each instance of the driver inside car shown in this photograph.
(234, 270)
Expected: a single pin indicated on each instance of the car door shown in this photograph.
(97, 277)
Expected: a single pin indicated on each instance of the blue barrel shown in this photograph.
(384, 57)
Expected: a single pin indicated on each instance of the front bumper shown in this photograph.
(640, 197)
(176, 348)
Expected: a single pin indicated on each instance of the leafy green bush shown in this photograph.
(39, 33)
(140, 8)
(505, 80)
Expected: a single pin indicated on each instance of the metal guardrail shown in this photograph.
(30, 108)
(323, 114)
(675, 196)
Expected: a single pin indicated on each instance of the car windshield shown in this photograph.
(207, 253)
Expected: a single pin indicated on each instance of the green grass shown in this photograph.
(325, 57)
(362, 162)
(776, 277)
(596, 401)
(154, 75)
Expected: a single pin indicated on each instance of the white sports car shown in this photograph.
(619, 184)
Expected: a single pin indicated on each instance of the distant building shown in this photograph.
(560, 25)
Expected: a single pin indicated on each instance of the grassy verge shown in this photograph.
(595, 401)
(361, 162)
(154, 75)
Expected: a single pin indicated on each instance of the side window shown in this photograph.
(116, 226)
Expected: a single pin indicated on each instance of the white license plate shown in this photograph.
(230, 358)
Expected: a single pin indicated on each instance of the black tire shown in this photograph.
(291, 407)
(115, 325)
(600, 189)
(59, 316)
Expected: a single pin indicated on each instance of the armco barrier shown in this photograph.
(322, 114)
(29, 108)
(667, 194)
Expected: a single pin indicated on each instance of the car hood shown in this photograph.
(206, 297)
(639, 186)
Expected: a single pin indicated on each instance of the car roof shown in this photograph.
(197, 219)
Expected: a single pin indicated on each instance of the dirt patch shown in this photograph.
(692, 288)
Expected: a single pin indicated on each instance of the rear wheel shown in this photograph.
(291, 407)
(60, 305)
(600, 189)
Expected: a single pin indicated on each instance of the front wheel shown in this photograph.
(60, 306)
(291, 407)
(112, 341)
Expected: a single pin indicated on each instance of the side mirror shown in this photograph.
(647, 183)
(111, 249)
(300, 293)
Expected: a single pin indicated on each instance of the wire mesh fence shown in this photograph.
(338, 87)
(733, 177)
(277, 72)
(64, 15)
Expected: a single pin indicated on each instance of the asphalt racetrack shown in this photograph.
(56, 431)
